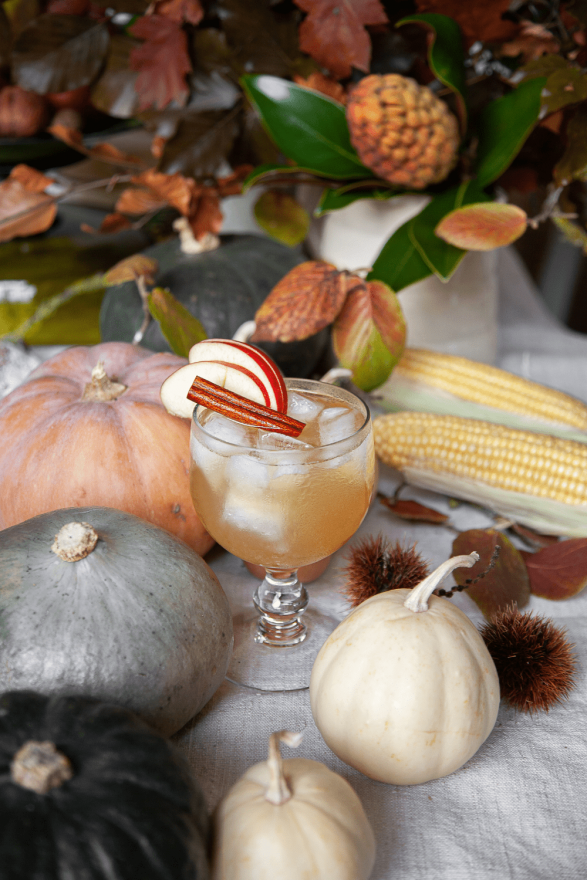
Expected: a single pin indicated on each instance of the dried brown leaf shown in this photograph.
(559, 571)
(31, 179)
(104, 152)
(413, 510)
(23, 212)
(131, 268)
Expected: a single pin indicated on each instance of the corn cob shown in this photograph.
(534, 479)
(429, 381)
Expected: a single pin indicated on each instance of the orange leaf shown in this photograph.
(162, 62)
(31, 179)
(23, 212)
(138, 201)
(175, 189)
(479, 22)
(558, 571)
(323, 84)
(136, 266)
(333, 32)
(206, 215)
(232, 184)
(414, 511)
(505, 582)
(105, 152)
(180, 10)
(483, 226)
(307, 299)
(114, 223)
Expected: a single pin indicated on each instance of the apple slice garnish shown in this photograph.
(249, 357)
(236, 378)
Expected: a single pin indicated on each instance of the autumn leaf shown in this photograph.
(307, 299)
(533, 41)
(162, 62)
(534, 539)
(333, 32)
(506, 582)
(483, 226)
(173, 189)
(180, 10)
(413, 510)
(68, 7)
(559, 571)
(25, 209)
(479, 21)
(205, 215)
(282, 217)
(131, 268)
(114, 223)
(180, 327)
(323, 84)
(104, 152)
(369, 333)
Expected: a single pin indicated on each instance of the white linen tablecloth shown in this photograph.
(516, 810)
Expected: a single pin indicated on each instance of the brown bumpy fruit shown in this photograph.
(402, 131)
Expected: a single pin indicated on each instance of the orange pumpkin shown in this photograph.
(77, 435)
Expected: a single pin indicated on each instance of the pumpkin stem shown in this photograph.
(418, 597)
(74, 541)
(279, 791)
(101, 387)
(39, 766)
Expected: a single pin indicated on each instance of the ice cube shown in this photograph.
(253, 519)
(246, 504)
(337, 423)
(302, 408)
(222, 428)
(272, 440)
(247, 473)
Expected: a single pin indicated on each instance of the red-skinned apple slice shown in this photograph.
(231, 376)
(251, 358)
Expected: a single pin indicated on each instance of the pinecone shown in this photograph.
(402, 131)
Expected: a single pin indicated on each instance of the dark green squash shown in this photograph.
(222, 288)
(95, 795)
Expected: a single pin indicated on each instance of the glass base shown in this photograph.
(272, 667)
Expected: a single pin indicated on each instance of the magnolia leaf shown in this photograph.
(115, 91)
(506, 582)
(307, 299)
(441, 257)
(162, 62)
(568, 86)
(282, 217)
(573, 163)
(335, 199)
(180, 328)
(308, 128)
(413, 510)
(270, 172)
(399, 263)
(504, 126)
(369, 334)
(483, 227)
(23, 212)
(131, 268)
(559, 571)
(445, 56)
(103, 152)
(57, 53)
(333, 33)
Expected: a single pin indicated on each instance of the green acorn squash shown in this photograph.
(88, 791)
(97, 602)
(223, 288)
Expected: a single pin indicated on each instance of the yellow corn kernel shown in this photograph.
(490, 386)
(503, 458)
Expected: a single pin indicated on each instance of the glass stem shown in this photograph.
(281, 600)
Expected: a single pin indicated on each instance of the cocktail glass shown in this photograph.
(283, 503)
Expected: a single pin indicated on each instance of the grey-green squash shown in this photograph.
(97, 602)
(223, 288)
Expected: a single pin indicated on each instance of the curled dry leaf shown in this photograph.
(483, 226)
(104, 152)
(334, 34)
(506, 582)
(31, 179)
(323, 84)
(559, 571)
(369, 333)
(413, 511)
(307, 299)
(131, 268)
(138, 201)
(24, 208)
(180, 10)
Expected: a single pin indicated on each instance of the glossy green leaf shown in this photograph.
(369, 334)
(441, 257)
(282, 217)
(334, 199)
(445, 56)
(505, 582)
(399, 263)
(179, 327)
(269, 172)
(573, 163)
(308, 127)
(504, 126)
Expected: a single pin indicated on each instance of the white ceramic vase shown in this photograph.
(456, 317)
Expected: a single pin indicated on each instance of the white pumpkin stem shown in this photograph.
(419, 595)
(102, 387)
(278, 791)
(74, 541)
(39, 766)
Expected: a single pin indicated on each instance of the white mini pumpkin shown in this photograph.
(404, 689)
(290, 820)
